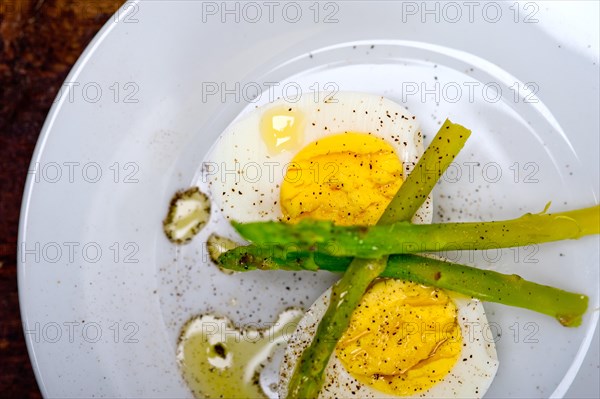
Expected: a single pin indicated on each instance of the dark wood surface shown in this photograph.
(40, 40)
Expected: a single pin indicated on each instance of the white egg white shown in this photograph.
(469, 378)
(245, 179)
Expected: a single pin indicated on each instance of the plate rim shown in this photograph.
(43, 136)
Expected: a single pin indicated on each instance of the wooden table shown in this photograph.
(40, 40)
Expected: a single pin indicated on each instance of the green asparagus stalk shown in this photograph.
(511, 290)
(307, 379)
(254, 257)
(346, 293)
(487, 285)
(440, 153)
(403, 237)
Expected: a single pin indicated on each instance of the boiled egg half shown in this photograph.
(339, 158)
(404, 340)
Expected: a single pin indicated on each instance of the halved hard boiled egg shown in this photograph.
(404, 340)
(340, 158)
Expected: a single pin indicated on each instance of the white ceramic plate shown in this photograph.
(104, 294)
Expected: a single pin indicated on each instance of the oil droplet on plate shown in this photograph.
(218, 359)
(282, 129)
(189, 211)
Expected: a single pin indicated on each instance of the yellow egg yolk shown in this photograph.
(403, 338)
(347, 178)
(281, 129)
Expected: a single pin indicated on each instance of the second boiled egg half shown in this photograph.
(404, 340)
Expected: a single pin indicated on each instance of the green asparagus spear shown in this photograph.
(440, 153)
(403, 237)
(486, 285)
(307, 378)
(253, 257)
(346, 293)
